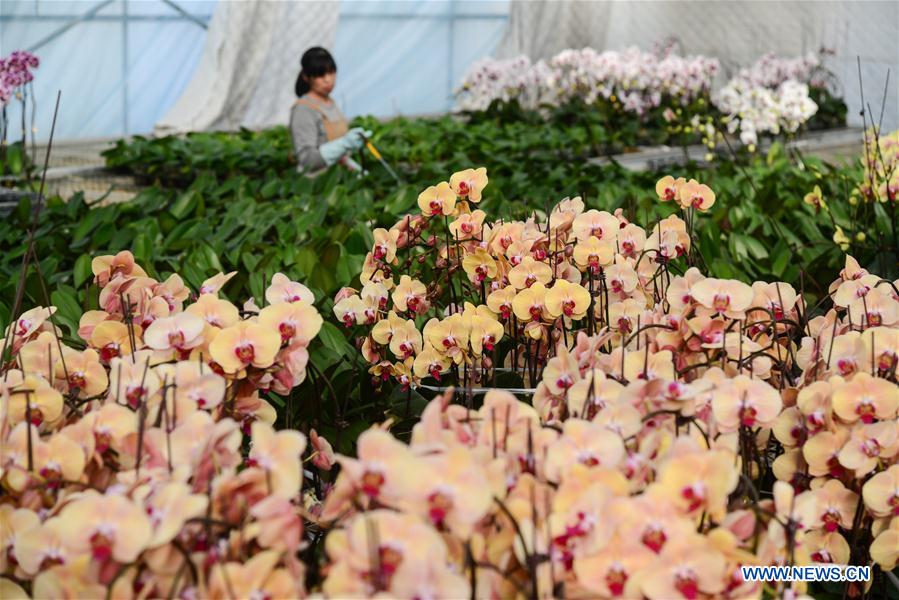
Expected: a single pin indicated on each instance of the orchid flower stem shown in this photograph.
(449, 280)
(591, 316)
(527, 358)
(28, 424)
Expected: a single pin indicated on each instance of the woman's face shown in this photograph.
(323, 85)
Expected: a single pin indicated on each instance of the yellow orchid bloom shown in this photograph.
(178, 333)
(384, 329)
(696, 195)
(631, 240)
(350, 311)
(529, 272)
(593, 223)
(169, 507)
(437, 200)
(455, 493)
(373, 271)
(430, 362)
(884, 548)
(881, 493)
(841, 239)
(257, 578)
(468, 226)
(215, 311)
(586, 443)
(874, 309)
(593, 254)
(745, 402)
(112, 339)
(296, 322)
(699, 481)
(406, 340)
(500, 301)
(479, 266)
(213, 284)
(245, 344)
(449, 336)
(106, 527)
(530, 303)
(484, 330)
(278, 454)
(568, 299)
(726, 296)
(668, 188)
(36, 397)
(865, 398)
(469, 184)
(410, 295)
(384, 247)
(282, 289)
(868, 444)
(815, 199)
(122, 264)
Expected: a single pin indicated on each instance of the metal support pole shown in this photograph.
(125, 67)
(451, 49)
(89, 14)
(185, 14)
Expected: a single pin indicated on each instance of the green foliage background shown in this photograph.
(233, 202)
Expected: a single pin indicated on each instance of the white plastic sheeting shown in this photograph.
(249, 64)
(124, 69)
(394, 57)
(406, 58)
(118, 71)
(736, 32)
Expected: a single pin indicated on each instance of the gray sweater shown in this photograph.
(307, 130)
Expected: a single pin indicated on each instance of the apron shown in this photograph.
(333, 129)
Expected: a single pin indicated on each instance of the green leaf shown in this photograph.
(402, 201)
(185, 205)
(250, 261)
(193, 275)
(86, 226)
(348, 267)
(142, 248)
(406, 402)
(782, 257)
(333, 338)
(324, 358)
(322, 277)
(68, 311)
(775, 154)
(82, 271)
(270, 188)
(756, 248)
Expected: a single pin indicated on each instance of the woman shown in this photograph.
(318, 128)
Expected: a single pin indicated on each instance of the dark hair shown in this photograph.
(316, 62)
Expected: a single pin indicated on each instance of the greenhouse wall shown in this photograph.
(406, 57)
(119, 68)
(128, 61)
(851, 33)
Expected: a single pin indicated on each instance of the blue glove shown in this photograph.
(353, 166)
(358, 135)
(332, 151)
(335, 149)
